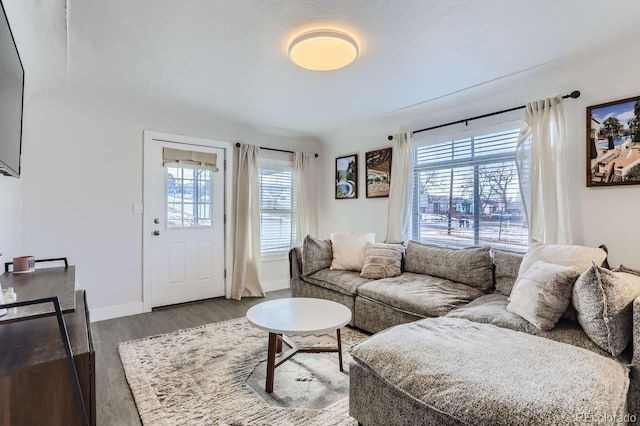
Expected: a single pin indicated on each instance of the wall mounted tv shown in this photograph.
(11, 100)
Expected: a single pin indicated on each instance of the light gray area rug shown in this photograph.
(214, 375)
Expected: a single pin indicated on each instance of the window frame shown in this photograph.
(475, 162)
(195, 190)
(277, 165)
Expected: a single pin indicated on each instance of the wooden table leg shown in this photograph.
(339, 349)
(271, 361)
(279, 344)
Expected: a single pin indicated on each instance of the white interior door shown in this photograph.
(184, 226)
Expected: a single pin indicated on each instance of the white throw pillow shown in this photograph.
(567, 255)
(348, 250)
(543, 293)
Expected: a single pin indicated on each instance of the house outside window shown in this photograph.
(466, 193)
(277, 214)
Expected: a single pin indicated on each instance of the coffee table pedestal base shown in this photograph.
(275, 347)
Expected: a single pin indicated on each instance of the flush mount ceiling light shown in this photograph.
(323, 50)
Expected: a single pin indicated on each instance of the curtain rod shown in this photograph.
(275, 149)
(573, 95)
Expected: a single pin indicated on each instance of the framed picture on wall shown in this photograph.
(613, 143)
(378, 172)
(347, 177)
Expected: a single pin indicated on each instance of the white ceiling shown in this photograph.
(229, 57)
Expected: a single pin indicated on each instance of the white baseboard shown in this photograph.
(115, 311)
(275, 285)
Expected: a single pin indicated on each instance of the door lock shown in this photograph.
(156, 232)
(156, 221)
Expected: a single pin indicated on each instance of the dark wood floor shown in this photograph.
(115, 405)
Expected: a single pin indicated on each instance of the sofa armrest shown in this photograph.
(635, 342)
(295, 262)
(633, 397)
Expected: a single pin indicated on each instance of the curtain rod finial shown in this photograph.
(237, 144)
(575, 94)
(390, 137)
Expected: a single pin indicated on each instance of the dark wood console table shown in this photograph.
(35, 385)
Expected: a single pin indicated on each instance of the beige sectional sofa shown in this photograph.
(448, 351)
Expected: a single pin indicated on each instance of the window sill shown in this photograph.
(274, 257)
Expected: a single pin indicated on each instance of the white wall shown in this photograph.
(600, 215)
(82, 172)
(10, 218)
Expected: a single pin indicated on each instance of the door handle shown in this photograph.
(156, 232)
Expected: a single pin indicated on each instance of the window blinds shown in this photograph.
(467, 192)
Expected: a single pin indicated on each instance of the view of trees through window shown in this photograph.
(466, 193)
(188, 197)
(277, 227)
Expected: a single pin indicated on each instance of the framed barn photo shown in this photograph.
(378, 172)
(613, 143)
(347, 177)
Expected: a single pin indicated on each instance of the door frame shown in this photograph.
(150, 137)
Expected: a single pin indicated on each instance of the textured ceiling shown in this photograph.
(228, 57)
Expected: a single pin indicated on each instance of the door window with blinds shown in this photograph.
(466, 193)
(276, 198)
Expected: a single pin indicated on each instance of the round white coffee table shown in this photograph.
(296, 316)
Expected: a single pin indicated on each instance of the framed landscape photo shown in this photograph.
(347, 177)
(378, 172)
(613, 143)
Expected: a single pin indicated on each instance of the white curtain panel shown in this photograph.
(401, 189)
(305, 196)
(541, 161)
(246, 256)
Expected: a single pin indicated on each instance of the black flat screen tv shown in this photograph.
(11, 100)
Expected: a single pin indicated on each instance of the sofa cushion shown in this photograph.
(345, 282)
(506, 266)
(481, 374)
(382, 260)
(492, 309)
(348, 250)
(316, 254)
(568, 255)
(543, 293)
(471, 266)
(423, 295)
(623, 268)
(604, 301)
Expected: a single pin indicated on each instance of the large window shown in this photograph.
(277, 220)
(466, 193)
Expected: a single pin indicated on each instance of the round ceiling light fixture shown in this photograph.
(323, 50)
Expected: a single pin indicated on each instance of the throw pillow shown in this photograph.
(316, 255)
(568, 255)
(543, 293)
(382, 261)
(604, 301)
(348, 250)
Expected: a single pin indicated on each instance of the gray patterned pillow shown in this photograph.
(543, 293)
(471, 266)
(382, 260)
(316, 255)
(604, 301)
